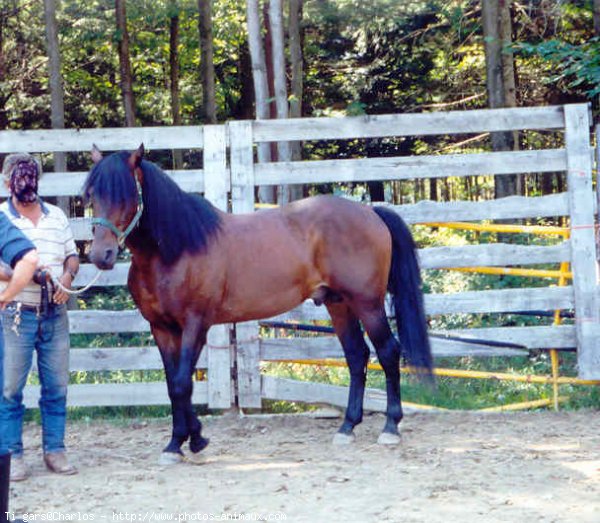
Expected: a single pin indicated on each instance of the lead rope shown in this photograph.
(55, 280)
(78, 291)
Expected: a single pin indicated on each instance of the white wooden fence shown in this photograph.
(218, 179)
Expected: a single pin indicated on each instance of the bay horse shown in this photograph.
(193, 266)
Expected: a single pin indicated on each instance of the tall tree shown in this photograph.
(296, 58)
(57, 93)
(261, 89)
(207, 68)
(124, 63)
(296, 80)
(174, 74)
(494, 13)
(280, 84)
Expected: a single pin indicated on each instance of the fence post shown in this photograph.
(216, 185)
(242, 201)
(583, 245)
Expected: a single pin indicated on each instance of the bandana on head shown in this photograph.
(24, 181)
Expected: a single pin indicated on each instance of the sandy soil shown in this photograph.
(449, 467)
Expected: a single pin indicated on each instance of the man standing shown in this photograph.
(35, 321)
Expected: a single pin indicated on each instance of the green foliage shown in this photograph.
(578, 66)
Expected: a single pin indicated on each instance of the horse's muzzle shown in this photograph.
(104, 259)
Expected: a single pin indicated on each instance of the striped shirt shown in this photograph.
(52, 238)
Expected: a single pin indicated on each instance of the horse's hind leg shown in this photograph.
(350, 334)
(388, 353)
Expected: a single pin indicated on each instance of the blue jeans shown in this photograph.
(49, 337)
(3, 447)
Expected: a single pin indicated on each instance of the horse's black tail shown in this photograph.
(404, 284)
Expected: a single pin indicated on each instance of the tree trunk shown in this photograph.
(296, 82)
(492, 14)
(125, 64)
(207, 67)
(433, 192)
(57, 94)
(57, 103)
(174, 75)
(261, 90)
(268, 44)
(243, 109)
(284, 153)
(509, 77)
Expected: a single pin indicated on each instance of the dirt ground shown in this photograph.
(449, 467)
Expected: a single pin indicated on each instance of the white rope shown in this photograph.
(78, 291)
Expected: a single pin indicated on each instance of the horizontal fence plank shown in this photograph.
(285, 349)
(409, 167)
(489, 301)
(512, 207)
(494, 254)
(101, 321)
(120, 358)
(375, 400)
(374, 126)
(293, 390)
(116, 276)
(107, 139)
(507, 300)
(117, 394)
(515, 207)
(71, 183)
(528, 299)
(430, 258)
(540, 337)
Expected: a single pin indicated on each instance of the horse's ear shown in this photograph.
(136, 157)
(96, 154)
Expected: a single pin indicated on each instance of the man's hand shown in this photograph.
(60, 296)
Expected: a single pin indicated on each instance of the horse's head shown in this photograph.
(113, 189)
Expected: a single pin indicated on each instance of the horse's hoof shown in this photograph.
(343, 439)
(170, 458)
(196, 445)
(387, 438)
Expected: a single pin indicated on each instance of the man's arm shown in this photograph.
(71, 267)
(22, 275)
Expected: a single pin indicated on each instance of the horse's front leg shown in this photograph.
(193, 340)
(169, 344)
(180, 352)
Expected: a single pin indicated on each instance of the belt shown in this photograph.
(24, 307)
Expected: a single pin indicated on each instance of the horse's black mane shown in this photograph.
(175, 220)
